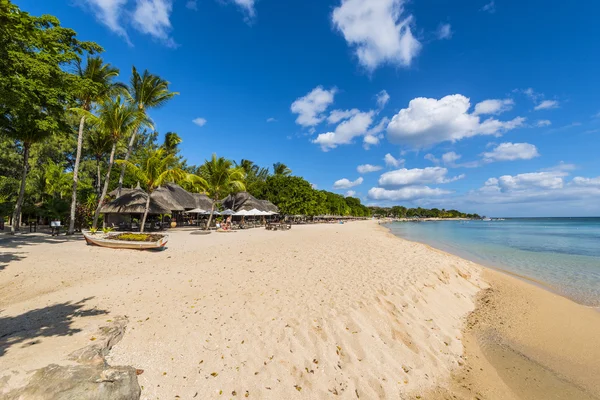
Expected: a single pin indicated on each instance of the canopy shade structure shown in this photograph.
(254, 211)
(176, 196)
(242, 212)
(228, 212)
(134, 202)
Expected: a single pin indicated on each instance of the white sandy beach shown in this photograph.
(315, 311)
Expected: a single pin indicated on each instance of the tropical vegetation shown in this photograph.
(66, 120)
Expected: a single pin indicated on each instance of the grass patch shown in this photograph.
(136, 237)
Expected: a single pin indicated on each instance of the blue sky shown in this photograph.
(486, 106)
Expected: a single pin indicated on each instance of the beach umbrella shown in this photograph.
(196, 211)
(228, 212)
(254, 211)
(242, 213)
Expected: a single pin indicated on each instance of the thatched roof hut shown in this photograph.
(245, 201)
(113, 193)
(176, 196)
(268, 206)
(202, 201)
(134, 202)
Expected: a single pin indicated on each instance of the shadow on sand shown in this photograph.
(9, 244)
(55, 320)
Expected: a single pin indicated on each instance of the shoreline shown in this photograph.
(498, 364)
(322, 309)
(502, 269)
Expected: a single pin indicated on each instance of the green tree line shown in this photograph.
(70, 133)
(403, 212)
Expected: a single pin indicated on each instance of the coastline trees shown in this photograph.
(35, 86)
(220, 178)
(145, 91)
(159, 168)
(94, 84)
(117, 119)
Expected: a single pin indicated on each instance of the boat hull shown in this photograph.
(102, 241)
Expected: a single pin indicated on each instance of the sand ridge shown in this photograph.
(318, 311)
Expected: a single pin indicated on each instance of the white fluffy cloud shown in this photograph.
(366, 168)
(493, 106)
(406, 193)
(382, 98)
(429, 121)
(310, 108)
(199, 121)
(350, 193)
(109, 13)
(546, 104)
(378, 30)
(415, 176)
(392, 161)
(247, 6)
(345, 132)
(511, 152)
(450, 157)
(543, 122)
(152, 17)
(347, 183)
(339, 115)
(444, 31)
(271, 119)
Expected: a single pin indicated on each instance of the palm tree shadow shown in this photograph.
(55, 320)
(6, 258)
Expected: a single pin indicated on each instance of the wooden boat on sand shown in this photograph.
(105, 240)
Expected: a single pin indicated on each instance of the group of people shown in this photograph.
(226, 226)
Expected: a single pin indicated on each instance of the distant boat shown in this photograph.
(486, 219)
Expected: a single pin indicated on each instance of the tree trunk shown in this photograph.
(15, 219)
(212, 210)
(127, 155)
(111, 160)
(76, 176)
(98, 178)
(145, 212)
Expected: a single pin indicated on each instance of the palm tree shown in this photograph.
(98, 145)
(158, 169)
(219, 178)
(116, 119)
(145, 91)
(96, 83)
(171, 143)
(281, 169)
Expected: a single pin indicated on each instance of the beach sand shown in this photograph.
(315, 312)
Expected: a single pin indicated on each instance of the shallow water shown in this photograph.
(563, 253)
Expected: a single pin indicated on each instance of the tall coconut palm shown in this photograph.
(117, 119)
(281, 169)
(98, 145)
(95, 83)
(221, 178)
(158, 169)
(145, 91)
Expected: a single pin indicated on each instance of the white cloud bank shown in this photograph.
(391, 161)
(152, 17)
(378, 30)
(416, 176)
(347, 183)
(405, 194)
(493, 106)
(429, 121)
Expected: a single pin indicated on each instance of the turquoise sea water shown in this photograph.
(562, 253)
